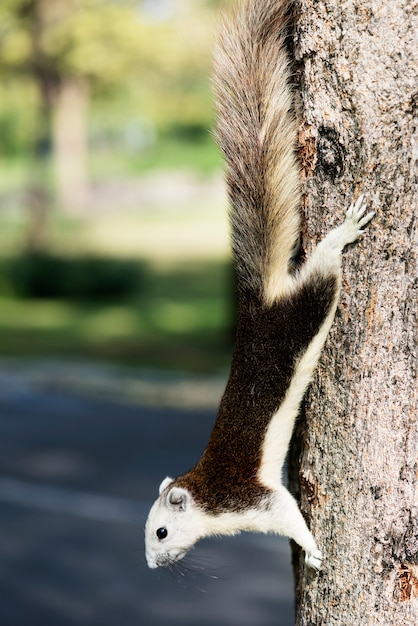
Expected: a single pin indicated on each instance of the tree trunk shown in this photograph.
(39, 196)
(358, 463)
(70, 144)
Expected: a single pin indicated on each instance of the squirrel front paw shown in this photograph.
(314, 559)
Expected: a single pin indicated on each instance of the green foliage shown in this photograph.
(9, 133)
(18, 104)
(90, 38)
(160, 67)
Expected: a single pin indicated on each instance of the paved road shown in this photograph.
(77, 477)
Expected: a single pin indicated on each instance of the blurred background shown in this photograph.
(116, 311)
(113, 234)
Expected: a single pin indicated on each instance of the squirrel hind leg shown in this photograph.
(326, 258)
(351, 229)
(355, 220)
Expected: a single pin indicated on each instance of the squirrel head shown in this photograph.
(173, 525)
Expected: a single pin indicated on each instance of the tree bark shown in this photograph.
(357, 63)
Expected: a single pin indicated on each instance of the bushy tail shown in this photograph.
(256, 131)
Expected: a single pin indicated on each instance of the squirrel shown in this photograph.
(285, 309)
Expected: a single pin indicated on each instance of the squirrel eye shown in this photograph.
(162, 533)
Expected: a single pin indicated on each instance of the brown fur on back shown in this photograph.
(269, 342)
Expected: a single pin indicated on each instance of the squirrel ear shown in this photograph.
(178, 498)
(165, 484)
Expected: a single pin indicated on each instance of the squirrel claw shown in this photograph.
(314, 560)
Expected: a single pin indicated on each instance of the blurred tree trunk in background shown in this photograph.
(61, 132)
(358, 447)
(39, 196)
(70, 143)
